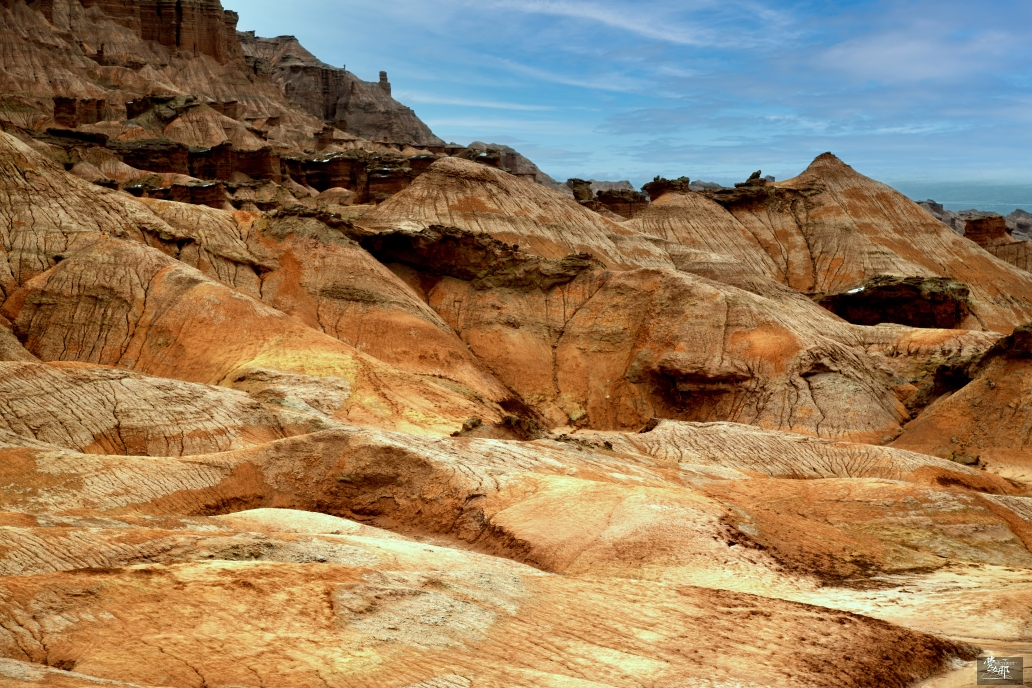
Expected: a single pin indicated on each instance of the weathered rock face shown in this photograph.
(47, 213)
(192, 26)
(482, 200)
(98, 410)
(537, 324)
(993, 233)
(987, 421)
(931, 302)
(335, 95)
(830, 230)
(1018, 254)
(988, 230)
(659, 187)
(695, 221)
(68, 49)
(626, 204)
(611, 198)
(157, 316)
(166, 87)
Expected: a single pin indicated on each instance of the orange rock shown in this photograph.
(122, 304)
(612, 350)
(316, 274)
(830, 230)
(106, 411)
(986, 420)
(49, 213)
(482, 200)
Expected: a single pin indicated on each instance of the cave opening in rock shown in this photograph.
(931, 302)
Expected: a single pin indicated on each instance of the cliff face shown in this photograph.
(200, 27)
(121, 51)
(194, 26)
(116, 51)
(333, 94)
(158, 98)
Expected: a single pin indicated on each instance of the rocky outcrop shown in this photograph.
(483, 200)
(335, 95)
(660, 186)
(986, 421)
(628, 204)
(191, 26)
(157, 316)
(947, 217)
(48, 214)
(68, 49)
(373, 176)
(513, 162)
(1020, 224)
(987, 230)
(609, 198)
(992, 232)
(914, 301)
(823, 244)
(166, 87)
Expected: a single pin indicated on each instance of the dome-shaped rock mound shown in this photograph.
(610, 350)
(697, 222)
(122, 304)
(100, 410)
(48, 213)
(308, 270)
(484, 200)
(832, 230)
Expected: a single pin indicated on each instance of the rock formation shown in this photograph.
(993, 232)
(255, 431)
(617, 200)
(482, 200)
(334, 95)
(1020, 223)
(518, 165)
(824, 245)
(164, 98)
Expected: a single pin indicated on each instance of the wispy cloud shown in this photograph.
(656, 21)
(615, 82)
(916, 53)
(430, 99)
(477, 126)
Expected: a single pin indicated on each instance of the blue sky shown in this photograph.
(915, 90)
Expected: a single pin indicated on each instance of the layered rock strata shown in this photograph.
(335, 95)
(483, 434)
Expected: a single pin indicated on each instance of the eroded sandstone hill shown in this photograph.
(480, 434)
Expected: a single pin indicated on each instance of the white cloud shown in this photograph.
(652, 21)
(430, 99)
(916, 53)
(477, 126)
(609, 82)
